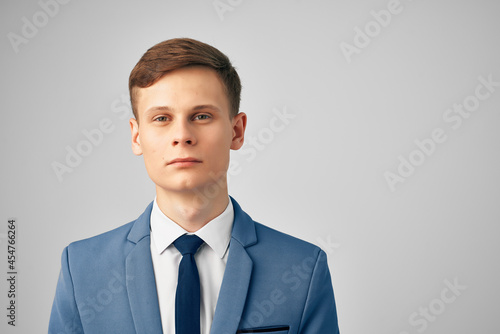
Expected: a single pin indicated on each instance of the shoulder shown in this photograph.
(284, 245)
(266, 242)
(96, 256)
(115, 240)
(105, 248)
(109, 238)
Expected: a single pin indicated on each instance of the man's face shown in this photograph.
(185, 115)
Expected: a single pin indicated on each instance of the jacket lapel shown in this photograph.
(141, 284)
(234, 288)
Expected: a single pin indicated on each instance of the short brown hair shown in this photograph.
(176, 53)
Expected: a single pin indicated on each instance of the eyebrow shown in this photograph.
(206, 106)
(157, 108)
(196, 108)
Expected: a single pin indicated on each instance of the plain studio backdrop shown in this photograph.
(373, 132)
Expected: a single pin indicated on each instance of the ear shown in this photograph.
(239, 125)
(136, 140)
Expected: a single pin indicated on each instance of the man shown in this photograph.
(194, 262)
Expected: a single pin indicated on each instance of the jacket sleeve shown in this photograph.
(65, 318)
(320, 313)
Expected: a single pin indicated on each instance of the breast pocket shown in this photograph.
(271, 330)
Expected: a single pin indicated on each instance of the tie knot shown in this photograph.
(188, 244)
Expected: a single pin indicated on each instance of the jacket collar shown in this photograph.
(141, 227)
(243, 226)
(142, 291)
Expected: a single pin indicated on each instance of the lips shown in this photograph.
(181, 161)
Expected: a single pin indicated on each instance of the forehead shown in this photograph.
(184, 88)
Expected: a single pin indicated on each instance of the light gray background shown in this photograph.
(320, 178)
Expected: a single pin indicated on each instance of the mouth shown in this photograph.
(184, 162)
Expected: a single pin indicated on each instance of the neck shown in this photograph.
(191, 210)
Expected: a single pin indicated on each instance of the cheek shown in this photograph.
(221, 146)
(221, 136)
(222, 154)
(151, 147)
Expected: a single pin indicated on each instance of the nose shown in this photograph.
(183, 134)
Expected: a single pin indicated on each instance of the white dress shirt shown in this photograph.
(210, 259)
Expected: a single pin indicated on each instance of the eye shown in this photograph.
(160, 119)
(201, 117)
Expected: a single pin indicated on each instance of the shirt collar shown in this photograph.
(216, 233)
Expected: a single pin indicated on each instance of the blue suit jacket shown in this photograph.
(273, 283)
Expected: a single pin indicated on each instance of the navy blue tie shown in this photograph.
(187, 296)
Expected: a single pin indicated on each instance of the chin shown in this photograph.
(179, 184)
